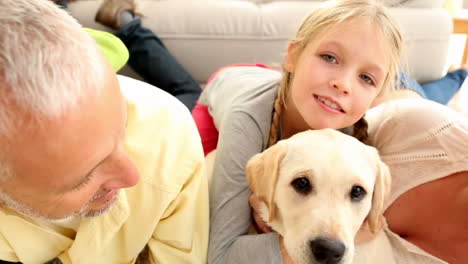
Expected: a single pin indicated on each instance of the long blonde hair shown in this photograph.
(327, 17)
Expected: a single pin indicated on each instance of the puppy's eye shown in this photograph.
(357, 193)
(301, 185)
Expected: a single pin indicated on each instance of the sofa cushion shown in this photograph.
(206, 34)
(392, 3)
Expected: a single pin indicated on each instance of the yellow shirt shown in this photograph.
(167, 210)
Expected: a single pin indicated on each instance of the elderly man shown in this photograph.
(94, 168)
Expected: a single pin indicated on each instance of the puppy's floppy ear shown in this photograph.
(382, 188)
(373, 223)
(262, 174)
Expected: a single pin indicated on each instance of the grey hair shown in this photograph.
(47, 62)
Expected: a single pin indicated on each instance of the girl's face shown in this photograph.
(335, 82)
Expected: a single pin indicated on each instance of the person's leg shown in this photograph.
(61, 3)
(148, 55)
(150, 58)
(442, 90)
(407, 83)
(405, 87)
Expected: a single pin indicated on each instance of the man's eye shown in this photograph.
(367, 79)
(329, 58)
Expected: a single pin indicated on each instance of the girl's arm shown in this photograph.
(240, 138)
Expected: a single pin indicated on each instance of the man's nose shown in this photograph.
(123, 174)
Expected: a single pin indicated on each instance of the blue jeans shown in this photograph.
(62, 3)
(152, 61)
(441, 90)
(150, 58)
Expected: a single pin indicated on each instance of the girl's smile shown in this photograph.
(329, 104)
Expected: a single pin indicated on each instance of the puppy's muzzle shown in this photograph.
(327, 251)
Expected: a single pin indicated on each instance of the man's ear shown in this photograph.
(290, 58)
(262, 174)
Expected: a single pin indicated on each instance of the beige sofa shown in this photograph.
(206, 34)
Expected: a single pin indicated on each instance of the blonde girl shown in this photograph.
(343, 56)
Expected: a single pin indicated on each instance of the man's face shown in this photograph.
(73, 166)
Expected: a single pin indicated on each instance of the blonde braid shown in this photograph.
(280, 104)
(360, 130)
(275, 121)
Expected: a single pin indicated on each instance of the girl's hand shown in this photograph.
(286, 258)
(259, 224)
(263, 227)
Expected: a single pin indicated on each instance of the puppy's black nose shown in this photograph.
(327, 251)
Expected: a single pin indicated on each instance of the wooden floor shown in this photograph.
(460, 26)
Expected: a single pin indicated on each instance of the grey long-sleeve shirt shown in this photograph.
(240, 100)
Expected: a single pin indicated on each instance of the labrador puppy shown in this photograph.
(318, 189)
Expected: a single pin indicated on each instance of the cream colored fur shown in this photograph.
(333, 163)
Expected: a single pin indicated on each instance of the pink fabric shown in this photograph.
(208, 132)
(204, 121)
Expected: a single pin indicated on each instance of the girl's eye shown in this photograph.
(329, 58)
(367, 79)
